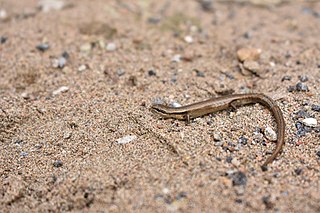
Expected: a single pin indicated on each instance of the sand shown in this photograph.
(76, 132)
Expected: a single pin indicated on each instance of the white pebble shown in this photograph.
(270, 134)
(47, 5)
(111, 47)
(176, 58)
(312, 122)
(82, 68)
(3, 14)
(60, 90)
(126, 139)
(175, 104)
(188, 39)
(235, 162)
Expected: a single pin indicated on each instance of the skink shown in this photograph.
(220, 103)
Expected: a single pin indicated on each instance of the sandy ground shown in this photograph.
(65, 110)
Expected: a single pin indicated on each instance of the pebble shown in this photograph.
(3, 14)
(57, 163)
(235, 162)
(126, 139)
(243, 140)
(188, 39)
(302, 87)
(82, 67)
(120, 72)
(302, 114)
(61, 61)
(199, 73)
(206, 5)
(311, 122)
(47, 5)
(216, 137)
(318, 153)
(303, 78)
(24, 154)
(176, 58)
(86, 48)
(175, 104)
(251, 54)
(25, 95)
(152, 73)
(298, 171)
(42, 47)
(315, 108)
(301, 131)
(270, 134)
(111, 47)
(3, 39)
(286, 78)
(238, 178)
(60, 90)
(252, 66)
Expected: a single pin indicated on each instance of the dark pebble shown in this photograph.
(264, 143)
(302, 114)
(229, 159)
(19, 141)
(152, 73)
(154, 20)
(219, 159)
(301, 130)
(242, 140)
(318, 153)
(286, 78)
(120, 72)
(65, 55)
(239, 178)
(181, 195)
(302, 87)
(315, 107)
(206, 5)
(199, 73)
(303, 78)
(298, 171)
(291, 88)
(238, 200)
(267, 202)
(57, 163)
(264, 168)
(247, 35)
(298, 62)
(3, 39)
(42, 47)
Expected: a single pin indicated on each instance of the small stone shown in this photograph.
(252, 66)
(57, 163)
(291, 88)
(229, 159)
(126, 139)
(175, 104)
(3, 39)
(60, 90)
(86, 48)
(111, 47)
(152, 73)
(25, 95)
(235, 162)
(286, 78)
(67, 135)
(188, 39)
(120, 72)
(318, 153)
(251, 54)
(302, 114)
(176, 58)
(315, 108)
(206, 5)
(24, 154)
(216, 137)
(302, 87)
(267, 202)
(238, 178)
(311, 122)
(3, 14)
(82, 67)
(199, 73)
(298, 171)
(270, 134)
(47, 5)
(242, 140)
(303, 78)
(42, 47)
